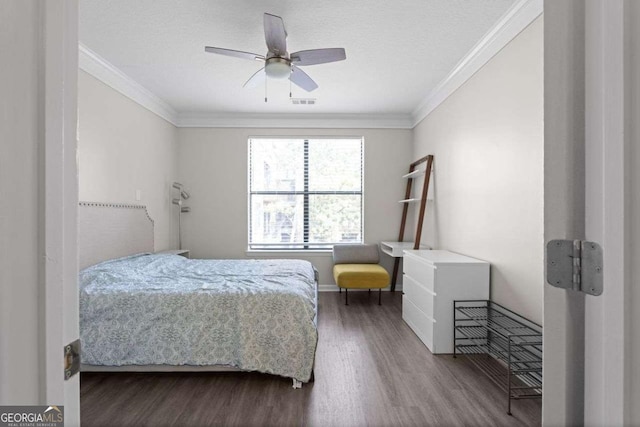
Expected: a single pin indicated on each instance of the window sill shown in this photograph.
(293, 253)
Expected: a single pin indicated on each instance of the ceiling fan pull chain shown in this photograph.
(289, 88)
(265, 89)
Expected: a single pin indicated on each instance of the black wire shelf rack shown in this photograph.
(484, 330)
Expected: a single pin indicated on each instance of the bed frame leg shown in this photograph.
(296, 383)
(346, 296)
(380, 297)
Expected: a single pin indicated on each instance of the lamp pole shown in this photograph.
(178, 201)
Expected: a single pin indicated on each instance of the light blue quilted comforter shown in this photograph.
(154, 309)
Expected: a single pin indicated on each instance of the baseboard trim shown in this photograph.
(334, 288)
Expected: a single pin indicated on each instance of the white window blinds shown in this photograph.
(305, 193)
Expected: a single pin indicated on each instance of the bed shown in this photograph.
(141, 311)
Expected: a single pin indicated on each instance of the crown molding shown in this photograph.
(103, 70)
(516, 19)
(107, 73)
(319, 121)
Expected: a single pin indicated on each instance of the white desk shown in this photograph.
(396, 249)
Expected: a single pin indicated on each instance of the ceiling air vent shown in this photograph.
(303, 101)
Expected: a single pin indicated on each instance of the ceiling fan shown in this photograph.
(279, 64)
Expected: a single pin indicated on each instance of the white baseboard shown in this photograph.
(334, 288)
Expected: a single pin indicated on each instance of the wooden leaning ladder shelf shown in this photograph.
(407, 199)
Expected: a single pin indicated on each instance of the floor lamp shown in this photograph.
(181, 209)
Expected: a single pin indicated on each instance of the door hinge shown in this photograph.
(71, 359)
(576, 265)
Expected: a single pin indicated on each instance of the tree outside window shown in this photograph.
(305, 193)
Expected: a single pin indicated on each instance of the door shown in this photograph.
(588, 377)
(38, 203)
(60, 201)
(606, 193)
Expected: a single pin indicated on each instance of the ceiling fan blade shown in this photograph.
(275, 34)
(257, 78)
(318, 56)
(300, 78)
(235, 53)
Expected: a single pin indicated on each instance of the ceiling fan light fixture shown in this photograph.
(277, 68)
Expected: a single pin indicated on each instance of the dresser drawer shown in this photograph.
(418, 322)
(419, 271)
(419, 295)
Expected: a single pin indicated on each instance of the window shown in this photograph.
(305, 193)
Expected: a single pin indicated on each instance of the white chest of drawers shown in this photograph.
(432, 280)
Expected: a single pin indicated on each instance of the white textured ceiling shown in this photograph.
(397, 51)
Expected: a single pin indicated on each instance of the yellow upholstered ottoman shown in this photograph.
(360, 276)
(356, 267)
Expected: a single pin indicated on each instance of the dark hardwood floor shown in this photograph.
(370, 370)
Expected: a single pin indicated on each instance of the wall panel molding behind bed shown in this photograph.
(112, 230)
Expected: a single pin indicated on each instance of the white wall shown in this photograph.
(213, 167)
(487, 141)
(122, 148)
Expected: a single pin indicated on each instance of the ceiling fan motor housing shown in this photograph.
(278, 68)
